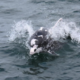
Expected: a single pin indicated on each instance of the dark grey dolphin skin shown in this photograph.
(45, 41)
(40, 40)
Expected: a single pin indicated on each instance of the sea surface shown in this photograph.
(19, 19)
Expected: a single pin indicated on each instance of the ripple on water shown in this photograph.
(10, 11)
(19, 78)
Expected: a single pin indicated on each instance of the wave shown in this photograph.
(22, 30)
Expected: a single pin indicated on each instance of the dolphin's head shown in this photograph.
(37, 40)
(35, 49)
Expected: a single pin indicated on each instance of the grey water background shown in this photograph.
(15, 63)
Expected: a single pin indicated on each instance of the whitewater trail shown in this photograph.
(60, 30)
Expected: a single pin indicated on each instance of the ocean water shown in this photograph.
(19, 19)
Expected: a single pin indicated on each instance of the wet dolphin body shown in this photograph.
(41, 41)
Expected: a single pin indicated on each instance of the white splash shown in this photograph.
(64, 29)
(21, 29)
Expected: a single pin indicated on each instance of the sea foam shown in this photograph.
(63, 29)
